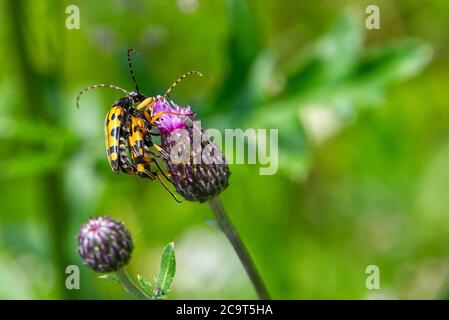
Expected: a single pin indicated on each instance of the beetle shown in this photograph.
(116, 131)
(129, 126)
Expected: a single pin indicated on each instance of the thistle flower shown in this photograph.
(104, 244)
(173, 119)
(198, 170)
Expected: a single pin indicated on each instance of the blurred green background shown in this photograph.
(363, 137)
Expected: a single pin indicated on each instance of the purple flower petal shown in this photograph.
(173, 118)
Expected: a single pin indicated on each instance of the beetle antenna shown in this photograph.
(185, 75)
(131, 69)
(94, 86)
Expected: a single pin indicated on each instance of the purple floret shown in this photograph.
(173, 119)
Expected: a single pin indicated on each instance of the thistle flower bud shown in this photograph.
(197, 167)
(104, 244)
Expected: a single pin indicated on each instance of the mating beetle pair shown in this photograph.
(129, 129)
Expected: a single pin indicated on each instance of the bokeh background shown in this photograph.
(363, 137)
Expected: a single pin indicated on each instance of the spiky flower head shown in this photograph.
(197, 167)
(104, 244)
(171, 119)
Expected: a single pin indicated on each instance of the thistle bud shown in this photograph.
(104, 244)
(197, 167)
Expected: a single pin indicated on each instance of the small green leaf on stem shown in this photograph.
(167, 271)
(145, 284)
(111, 276)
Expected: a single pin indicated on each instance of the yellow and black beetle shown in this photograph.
(132, 126)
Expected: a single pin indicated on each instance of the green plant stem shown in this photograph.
(129, 285)
(234, 238)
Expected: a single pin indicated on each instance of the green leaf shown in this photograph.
(243, 47)
(293, 146)
(394, 62)
(260, 78)
(111, 276)
(145, 284)
(329, 59)
(168, 269)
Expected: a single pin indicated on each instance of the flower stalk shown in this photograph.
(129, 285)
(231, 233)
(202, 181)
